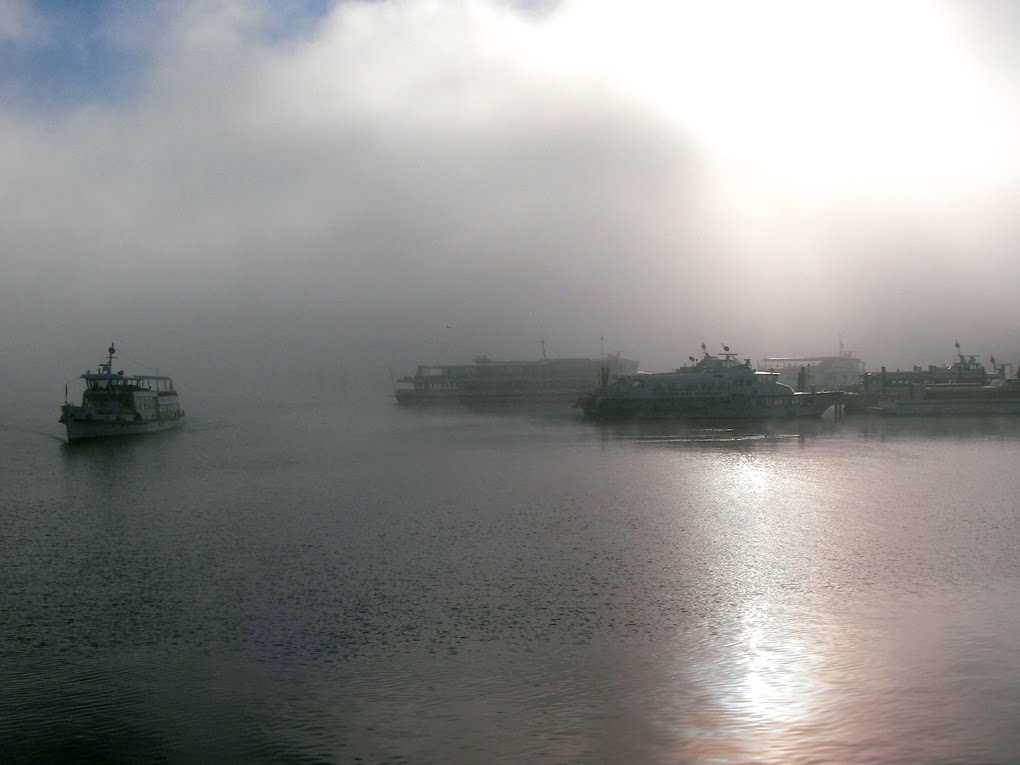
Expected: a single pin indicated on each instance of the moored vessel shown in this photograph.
(1001, 396)
(115, 404)
(714, 387)
(964, 387)
(545, 380)
(967, 370)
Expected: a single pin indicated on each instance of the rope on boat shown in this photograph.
(145, 366)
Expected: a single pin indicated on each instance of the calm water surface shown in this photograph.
(355, 582)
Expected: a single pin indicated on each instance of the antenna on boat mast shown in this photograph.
(109, 359)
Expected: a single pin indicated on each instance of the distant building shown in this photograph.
(842, 372)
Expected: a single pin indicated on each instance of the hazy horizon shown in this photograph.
(268, 191)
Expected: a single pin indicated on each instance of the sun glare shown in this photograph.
(778, 669)
(818, 96)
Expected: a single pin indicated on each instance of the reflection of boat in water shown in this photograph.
(557, 380)
(115, 404)
(716, 387)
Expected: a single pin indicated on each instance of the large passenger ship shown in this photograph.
(545, 380)
(714, 387)
(115, 404)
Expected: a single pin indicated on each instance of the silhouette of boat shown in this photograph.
(115, 404)
(715, 387)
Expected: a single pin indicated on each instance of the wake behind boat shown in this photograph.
(716, 387)
(115, 404)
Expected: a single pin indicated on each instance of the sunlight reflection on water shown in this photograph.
(323, 585)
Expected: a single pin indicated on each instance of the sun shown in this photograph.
(819, 97)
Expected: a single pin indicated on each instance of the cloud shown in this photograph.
(21, 24)
(349, 186)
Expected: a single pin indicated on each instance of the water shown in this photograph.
(355, 582)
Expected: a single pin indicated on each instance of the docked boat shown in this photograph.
(714, 387)
(967, 370)
(545, 380)
(115, 404)
(1001, 396)
(964, 387)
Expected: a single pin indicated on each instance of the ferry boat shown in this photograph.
(115, 404)
(1000, 396)
(545, 380)
(716, 387)
(967, 370)
(966, 379)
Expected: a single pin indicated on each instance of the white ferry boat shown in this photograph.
(115, 404)
(716, 387)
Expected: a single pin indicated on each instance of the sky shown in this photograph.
(276, 194)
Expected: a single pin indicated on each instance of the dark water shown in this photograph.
(359, 583)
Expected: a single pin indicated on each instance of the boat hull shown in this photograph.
(947, 408)
(81, 430)
(1000, 397)
(601, 406)
(426, 398)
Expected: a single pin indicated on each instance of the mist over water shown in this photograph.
(284, 206)
(356, 580)
(248, 189)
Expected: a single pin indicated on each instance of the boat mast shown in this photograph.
(109, 359)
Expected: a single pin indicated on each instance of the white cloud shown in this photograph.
(402, 166)
(21, 24)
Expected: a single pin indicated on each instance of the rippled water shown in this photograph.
(362, 583)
